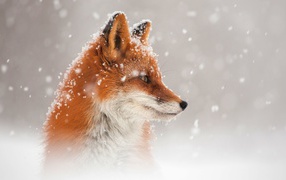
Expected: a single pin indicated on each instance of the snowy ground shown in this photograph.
(20, 155)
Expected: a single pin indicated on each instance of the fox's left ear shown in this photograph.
(142, 30)
(116, 33)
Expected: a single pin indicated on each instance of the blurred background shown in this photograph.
(227, 58)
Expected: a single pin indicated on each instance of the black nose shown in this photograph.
(183, 105)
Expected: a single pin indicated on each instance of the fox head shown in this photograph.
(129, 83)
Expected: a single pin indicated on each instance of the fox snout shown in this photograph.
(167, 98)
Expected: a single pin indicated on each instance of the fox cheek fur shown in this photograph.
(130, 57)
(108, 95)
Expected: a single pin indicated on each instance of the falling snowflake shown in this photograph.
(214, 108)
(242, 80)
(4, 68)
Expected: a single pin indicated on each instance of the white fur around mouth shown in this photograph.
(160, 112)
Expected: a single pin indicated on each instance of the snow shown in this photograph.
(184, 31)
(192, 14)
(57, 4)
(110, 17)
(95, 15)
(195, 129)
(4, 68)
(201, 66)
(123, 79)
(99, 82)
(49, 91)
(10, 88)
(63, 13)
(226, 59)
(135, 73)
(142, 73)
(268, 102)
(12, 133)
(245, 51)
(26, 89)
(166, 53)
(242, 80)
(214, 108)
(49, 79)
(78, 70)
(214, 18)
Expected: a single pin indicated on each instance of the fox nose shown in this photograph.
(183, 105)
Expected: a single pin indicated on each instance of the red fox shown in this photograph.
(100, 117)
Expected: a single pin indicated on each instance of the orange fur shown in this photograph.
(94, 78)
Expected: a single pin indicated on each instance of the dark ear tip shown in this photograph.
(139, 28)
(115, 14)
(147, 22)
(142, 24)
(112, 17)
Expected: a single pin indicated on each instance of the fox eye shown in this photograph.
(145, 79)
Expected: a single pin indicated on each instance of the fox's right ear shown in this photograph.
(116, 34)
(142, 30)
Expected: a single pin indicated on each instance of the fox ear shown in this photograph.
(141, 31)
(116, 34)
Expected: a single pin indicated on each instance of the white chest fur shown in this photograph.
(113, 143)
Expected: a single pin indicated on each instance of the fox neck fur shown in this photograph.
(99, 117)
(78, 130)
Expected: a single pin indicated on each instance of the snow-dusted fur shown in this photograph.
(100, 119)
